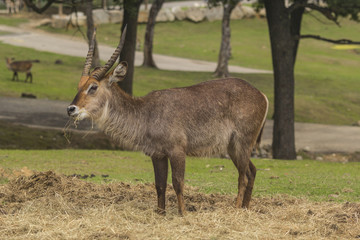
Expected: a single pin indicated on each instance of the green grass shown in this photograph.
(12, 21)
(310, 179)
(50, 80)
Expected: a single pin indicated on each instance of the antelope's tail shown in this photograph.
(258, 140)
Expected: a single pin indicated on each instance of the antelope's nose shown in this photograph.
(71, 109)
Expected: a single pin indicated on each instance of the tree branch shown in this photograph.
(327, 12)
(30, 4)
(319, 20)
(339, 41)
(295, 6)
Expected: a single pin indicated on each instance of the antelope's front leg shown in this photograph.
(177, 162)
(15, 77)
(161, 172)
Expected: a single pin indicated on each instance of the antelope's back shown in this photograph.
(229, 97)
(21, 66)
(206, 115)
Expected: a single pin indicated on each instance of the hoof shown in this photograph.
(160, 211)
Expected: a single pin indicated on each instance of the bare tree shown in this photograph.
(149, 34)
(40, 10)
(284, 24)
(225, 46)
(90, 31)
(131, 12)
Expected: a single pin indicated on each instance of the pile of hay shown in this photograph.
(50, 206)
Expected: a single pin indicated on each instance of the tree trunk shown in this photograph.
(104, 4)
(296, 18)
(149, 34)
(283, 55)
(131, 12)
(90, 31)
(225, 47)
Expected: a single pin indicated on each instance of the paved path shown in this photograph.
(321, 137)
(66, 45)
(52, 114)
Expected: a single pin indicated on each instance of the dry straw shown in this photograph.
(50, 206)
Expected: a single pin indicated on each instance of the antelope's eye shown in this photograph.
(92, 88)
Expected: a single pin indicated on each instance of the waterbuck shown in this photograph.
(20, 66)
(223, 116)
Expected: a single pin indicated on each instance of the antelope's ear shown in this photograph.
(118, 73)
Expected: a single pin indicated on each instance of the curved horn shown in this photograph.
(98, 75)
(89, 57)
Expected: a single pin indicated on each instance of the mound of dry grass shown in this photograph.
(51, 206)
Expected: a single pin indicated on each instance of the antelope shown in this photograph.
(20, 66)
(224, 116)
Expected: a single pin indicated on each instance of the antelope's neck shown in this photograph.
(8, 64)
(121, 118)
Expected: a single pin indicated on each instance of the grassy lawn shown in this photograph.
(320, 181)
(13, 21)
(50, 80)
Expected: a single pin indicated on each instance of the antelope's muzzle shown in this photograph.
(72, 110)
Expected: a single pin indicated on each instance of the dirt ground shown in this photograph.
(49, 206)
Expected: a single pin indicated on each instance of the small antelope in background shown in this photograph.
(20, 66)
(214, 117)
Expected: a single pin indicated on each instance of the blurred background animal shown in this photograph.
(20, 66)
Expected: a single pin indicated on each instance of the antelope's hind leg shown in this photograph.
(251, 173)
(177, 162)
(160, 164)
(28, 75)
(241, 159)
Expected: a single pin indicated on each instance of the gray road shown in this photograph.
(52, 114)
(321, 137)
